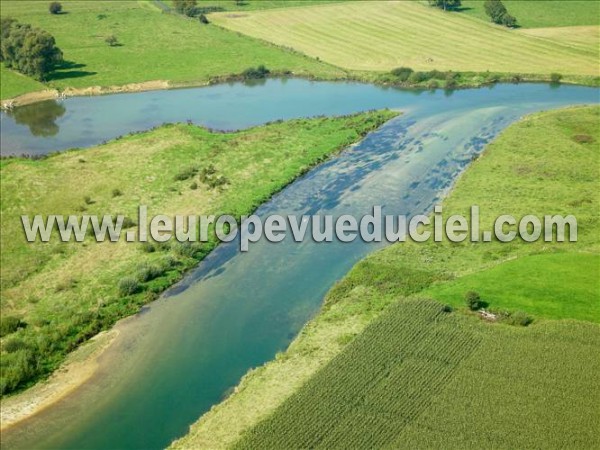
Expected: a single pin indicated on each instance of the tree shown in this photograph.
(55, 8)
(473, 301)
(112, 40)
(497, 12)
(445, 4)
(28, 50)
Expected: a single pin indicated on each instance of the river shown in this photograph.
(186, 351)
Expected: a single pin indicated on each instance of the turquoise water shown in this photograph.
(185, 352)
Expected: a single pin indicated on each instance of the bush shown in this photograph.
(555, 77)
(418, 77)
(509, 21)
(186, 173)
(402, 73)
(148, 247)
(116, 193)
(433, 84)
(14, 344)
(55, 8)
(149, 273)
(255, 73)
(473, 300)
(10, 324)
(518, 318)
(128, 286)
(202, 18)
(111, 40)
(194, 186)
(88, 200)
(451, 84)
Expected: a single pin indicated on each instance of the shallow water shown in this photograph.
(181, 355)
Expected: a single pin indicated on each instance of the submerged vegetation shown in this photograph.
(62, 294)
(345, 388)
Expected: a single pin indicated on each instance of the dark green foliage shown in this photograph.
(418, 77)
(55, 8)
(148, 273)
(402, 73)
(187, 7)
(446, 5)
(128, 286)
(14, 344)
(518, 318)
(497, 12)
(253, 73)
(202, 18)
(116, 193)
(473, 301)
(194, 186)
(28, 50)
(555, 78)
(186, 173)
(10, 324)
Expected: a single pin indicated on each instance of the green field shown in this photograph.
(542, 13)
(378, 36)
(14, 83)
(65, 293)
(185, 52)
(422, 378)
(507, 385)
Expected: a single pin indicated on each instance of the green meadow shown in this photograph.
(455, 380)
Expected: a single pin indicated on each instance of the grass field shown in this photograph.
(383, 35)
(154, 46)
(14, 83)
(541, 13)
(66, 293)
(522, 387)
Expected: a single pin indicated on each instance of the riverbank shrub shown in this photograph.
(10, 324)
(255, 73)
(402, 73)
(128, 286)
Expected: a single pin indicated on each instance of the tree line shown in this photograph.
(28, 50)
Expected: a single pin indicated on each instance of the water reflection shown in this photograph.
(39, 117)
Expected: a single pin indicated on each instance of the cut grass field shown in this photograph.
(67, 292)
(379, 36)
(153, 46)
(542, 13)
(517, 387)
(13, 84)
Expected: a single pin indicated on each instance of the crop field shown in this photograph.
(420, 377)
(152, 46)
(506, 371)
(383, 35)
(542, 13)
(67, 292)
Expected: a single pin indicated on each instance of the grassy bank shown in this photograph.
(62, 294)
(379, 36)
(489, 378)
(152, 46)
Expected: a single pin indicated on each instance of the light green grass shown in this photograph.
(66, 293)
(541, 13)
(422, 378)
(14, 83)
(154, 46)
(535, 166)
(382, 35)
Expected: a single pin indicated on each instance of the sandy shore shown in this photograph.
(50, 94)
(76, 370)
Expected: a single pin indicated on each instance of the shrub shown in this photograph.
(186, 173)
(111, 40)
(148, 273)
(451, 84)
(473, 300)
(148, 247)
(14, 344)
(255, 73)
(116, 193)
(194, 186)
(518, 318)
(509, 21)
(128, 222)
(433, 84)
(55, 8)
(88, 200)
(555, 77)
(418, 77)
(202, 18)
(128, 286)
(402, 73)
(10, 324)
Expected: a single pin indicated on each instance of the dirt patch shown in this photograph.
(76, 370)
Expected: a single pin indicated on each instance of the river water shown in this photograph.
(185, 352)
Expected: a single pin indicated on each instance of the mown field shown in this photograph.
(488, 384)
(542, 13)
(64, 293)
(153, 46)
(380, 36)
